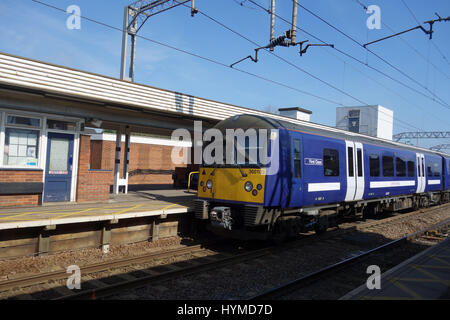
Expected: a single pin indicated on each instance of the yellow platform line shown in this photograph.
(169, 206)
(17, 215)
(429, 266)
(428, 280)
(425, 272)
(128, 209)
(405, 289)
(73, 213)
(24, 216)
(382, 298)
(435, 257)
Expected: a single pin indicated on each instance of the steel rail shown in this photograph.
(130, 284)
(109, 265)
(97, 267)
(314, 276)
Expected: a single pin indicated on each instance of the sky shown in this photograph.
(422, 66)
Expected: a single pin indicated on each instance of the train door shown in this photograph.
(421, 179)
(351, 180)
(355, 171)
(296, 190)
(359, 172)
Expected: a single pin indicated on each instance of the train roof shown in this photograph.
(255, 121)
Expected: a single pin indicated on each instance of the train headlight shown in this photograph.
(209, 184)
(248, 186)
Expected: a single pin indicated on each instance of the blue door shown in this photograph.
(58, 170)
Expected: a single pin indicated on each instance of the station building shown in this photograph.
(49, 153)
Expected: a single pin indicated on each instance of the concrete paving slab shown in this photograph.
(142, 204)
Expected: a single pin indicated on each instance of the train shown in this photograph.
(323, 174)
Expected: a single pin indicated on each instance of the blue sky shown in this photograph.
(35, 31)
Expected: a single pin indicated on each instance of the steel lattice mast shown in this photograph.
(441, 147)
(422, 135)
(135, 16)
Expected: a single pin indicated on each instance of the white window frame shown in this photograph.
(42, 144)
(3, 128)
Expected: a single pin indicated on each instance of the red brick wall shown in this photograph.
(92, 185)
(20, 176)
(142, 157)
(19, 200)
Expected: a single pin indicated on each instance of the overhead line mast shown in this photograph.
(135, 16)
(282, 40)
(428, 32)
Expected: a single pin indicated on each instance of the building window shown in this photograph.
(61, 125)
(400, 167)
(330, 162)
(297, 159)
(388, 166)
(21, 147)
(374, 161)
(353, 121)
(23, 121)
(411, 168)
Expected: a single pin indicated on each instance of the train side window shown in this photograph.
(330, 162)
(297, 159)
(350, 162)
(436, 169)
(401, 167)
(411, 168)
(430, 172)
(359, 158)
(374, 161)
(388, 166)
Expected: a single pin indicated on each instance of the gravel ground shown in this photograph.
(254, 276)
(344, 281)
(267, 272)
(15, 268)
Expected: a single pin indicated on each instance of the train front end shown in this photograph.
(232, 194)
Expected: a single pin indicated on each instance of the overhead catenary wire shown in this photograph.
(408, 44)
(344, 53)
(197, 56)
(256, 44)
(218, 62)
(370, 51)
(356, 59)
(432, 42)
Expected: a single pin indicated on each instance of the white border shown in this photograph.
(391, 184)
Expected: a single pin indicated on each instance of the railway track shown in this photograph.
(329, 274)
(98, 287)
(99, 267)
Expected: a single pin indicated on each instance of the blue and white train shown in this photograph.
(323, 173)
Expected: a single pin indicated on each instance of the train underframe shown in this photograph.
(246, 222)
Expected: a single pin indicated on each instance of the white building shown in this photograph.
(375, 121)
(296, 113)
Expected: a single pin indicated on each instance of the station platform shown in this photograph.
(422, 277)
(131, 205)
